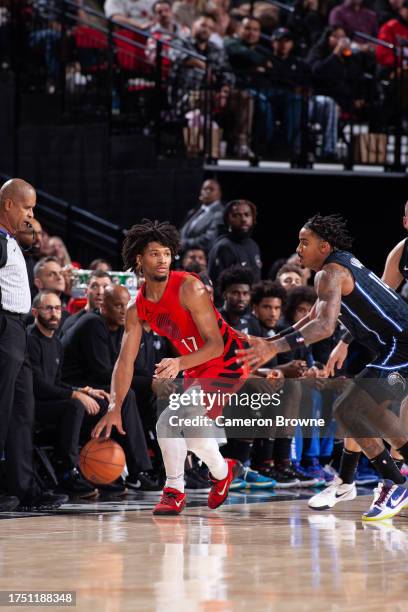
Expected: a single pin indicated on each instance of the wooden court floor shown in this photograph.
(250, 555)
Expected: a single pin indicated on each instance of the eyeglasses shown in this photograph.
(50, 308)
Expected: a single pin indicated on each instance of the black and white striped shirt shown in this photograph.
(15, 293)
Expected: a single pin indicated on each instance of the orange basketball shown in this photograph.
(102, 460)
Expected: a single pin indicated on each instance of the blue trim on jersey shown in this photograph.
(383, 285)
(353, 314)
(394, 346)
(380, 367)
(377, 307)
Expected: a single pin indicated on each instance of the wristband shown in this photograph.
(288, 330)
(295, 340)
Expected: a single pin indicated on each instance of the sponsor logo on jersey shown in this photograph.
(356, 263)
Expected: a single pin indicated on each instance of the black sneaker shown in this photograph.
(284, 477)
(195, 480)
(143, 482)
(117, 487)
(8, 503)
(304, 479)
(44, 501)
(72, 483)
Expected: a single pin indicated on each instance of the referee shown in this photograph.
(17, 201)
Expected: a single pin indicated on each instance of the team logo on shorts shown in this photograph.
(396, 379)
(354, 262)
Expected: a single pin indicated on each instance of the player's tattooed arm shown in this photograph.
(328, 284)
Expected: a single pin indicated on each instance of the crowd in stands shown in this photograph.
(270, 70)
(73, 348)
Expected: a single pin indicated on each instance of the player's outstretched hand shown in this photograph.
(107, 422)
(337, 358)
(167, 368)
(259, 352)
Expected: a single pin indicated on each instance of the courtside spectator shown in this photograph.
(57, 403)
(194, 259)
(203, 223)
(97, 283)
(236, 246)
(289, 276)
(235, 288)
(48, 274)
(29, 240)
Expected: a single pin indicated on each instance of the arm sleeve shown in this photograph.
(44, 390)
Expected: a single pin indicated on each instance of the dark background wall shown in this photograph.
(373, 206)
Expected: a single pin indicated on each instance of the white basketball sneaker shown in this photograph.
(332, 495)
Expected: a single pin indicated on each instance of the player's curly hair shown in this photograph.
(235, 275)
(332, 228)
(139, 236)
(267, 289)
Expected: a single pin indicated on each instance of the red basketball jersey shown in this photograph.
(168, 318)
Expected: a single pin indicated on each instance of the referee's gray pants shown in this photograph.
(16, 408)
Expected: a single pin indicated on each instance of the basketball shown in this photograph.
(102, 461)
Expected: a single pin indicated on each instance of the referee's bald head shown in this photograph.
(15, 189)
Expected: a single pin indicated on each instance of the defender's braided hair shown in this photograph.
(332, 228)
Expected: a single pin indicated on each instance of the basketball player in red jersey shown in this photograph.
(175, 305)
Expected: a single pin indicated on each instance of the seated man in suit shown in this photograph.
(57, 403)
(201, 227)
(90, 351)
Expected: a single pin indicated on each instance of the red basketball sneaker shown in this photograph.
(220, 488)
(172, 501)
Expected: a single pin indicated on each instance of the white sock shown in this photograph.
(207, 450)
(174, 451)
